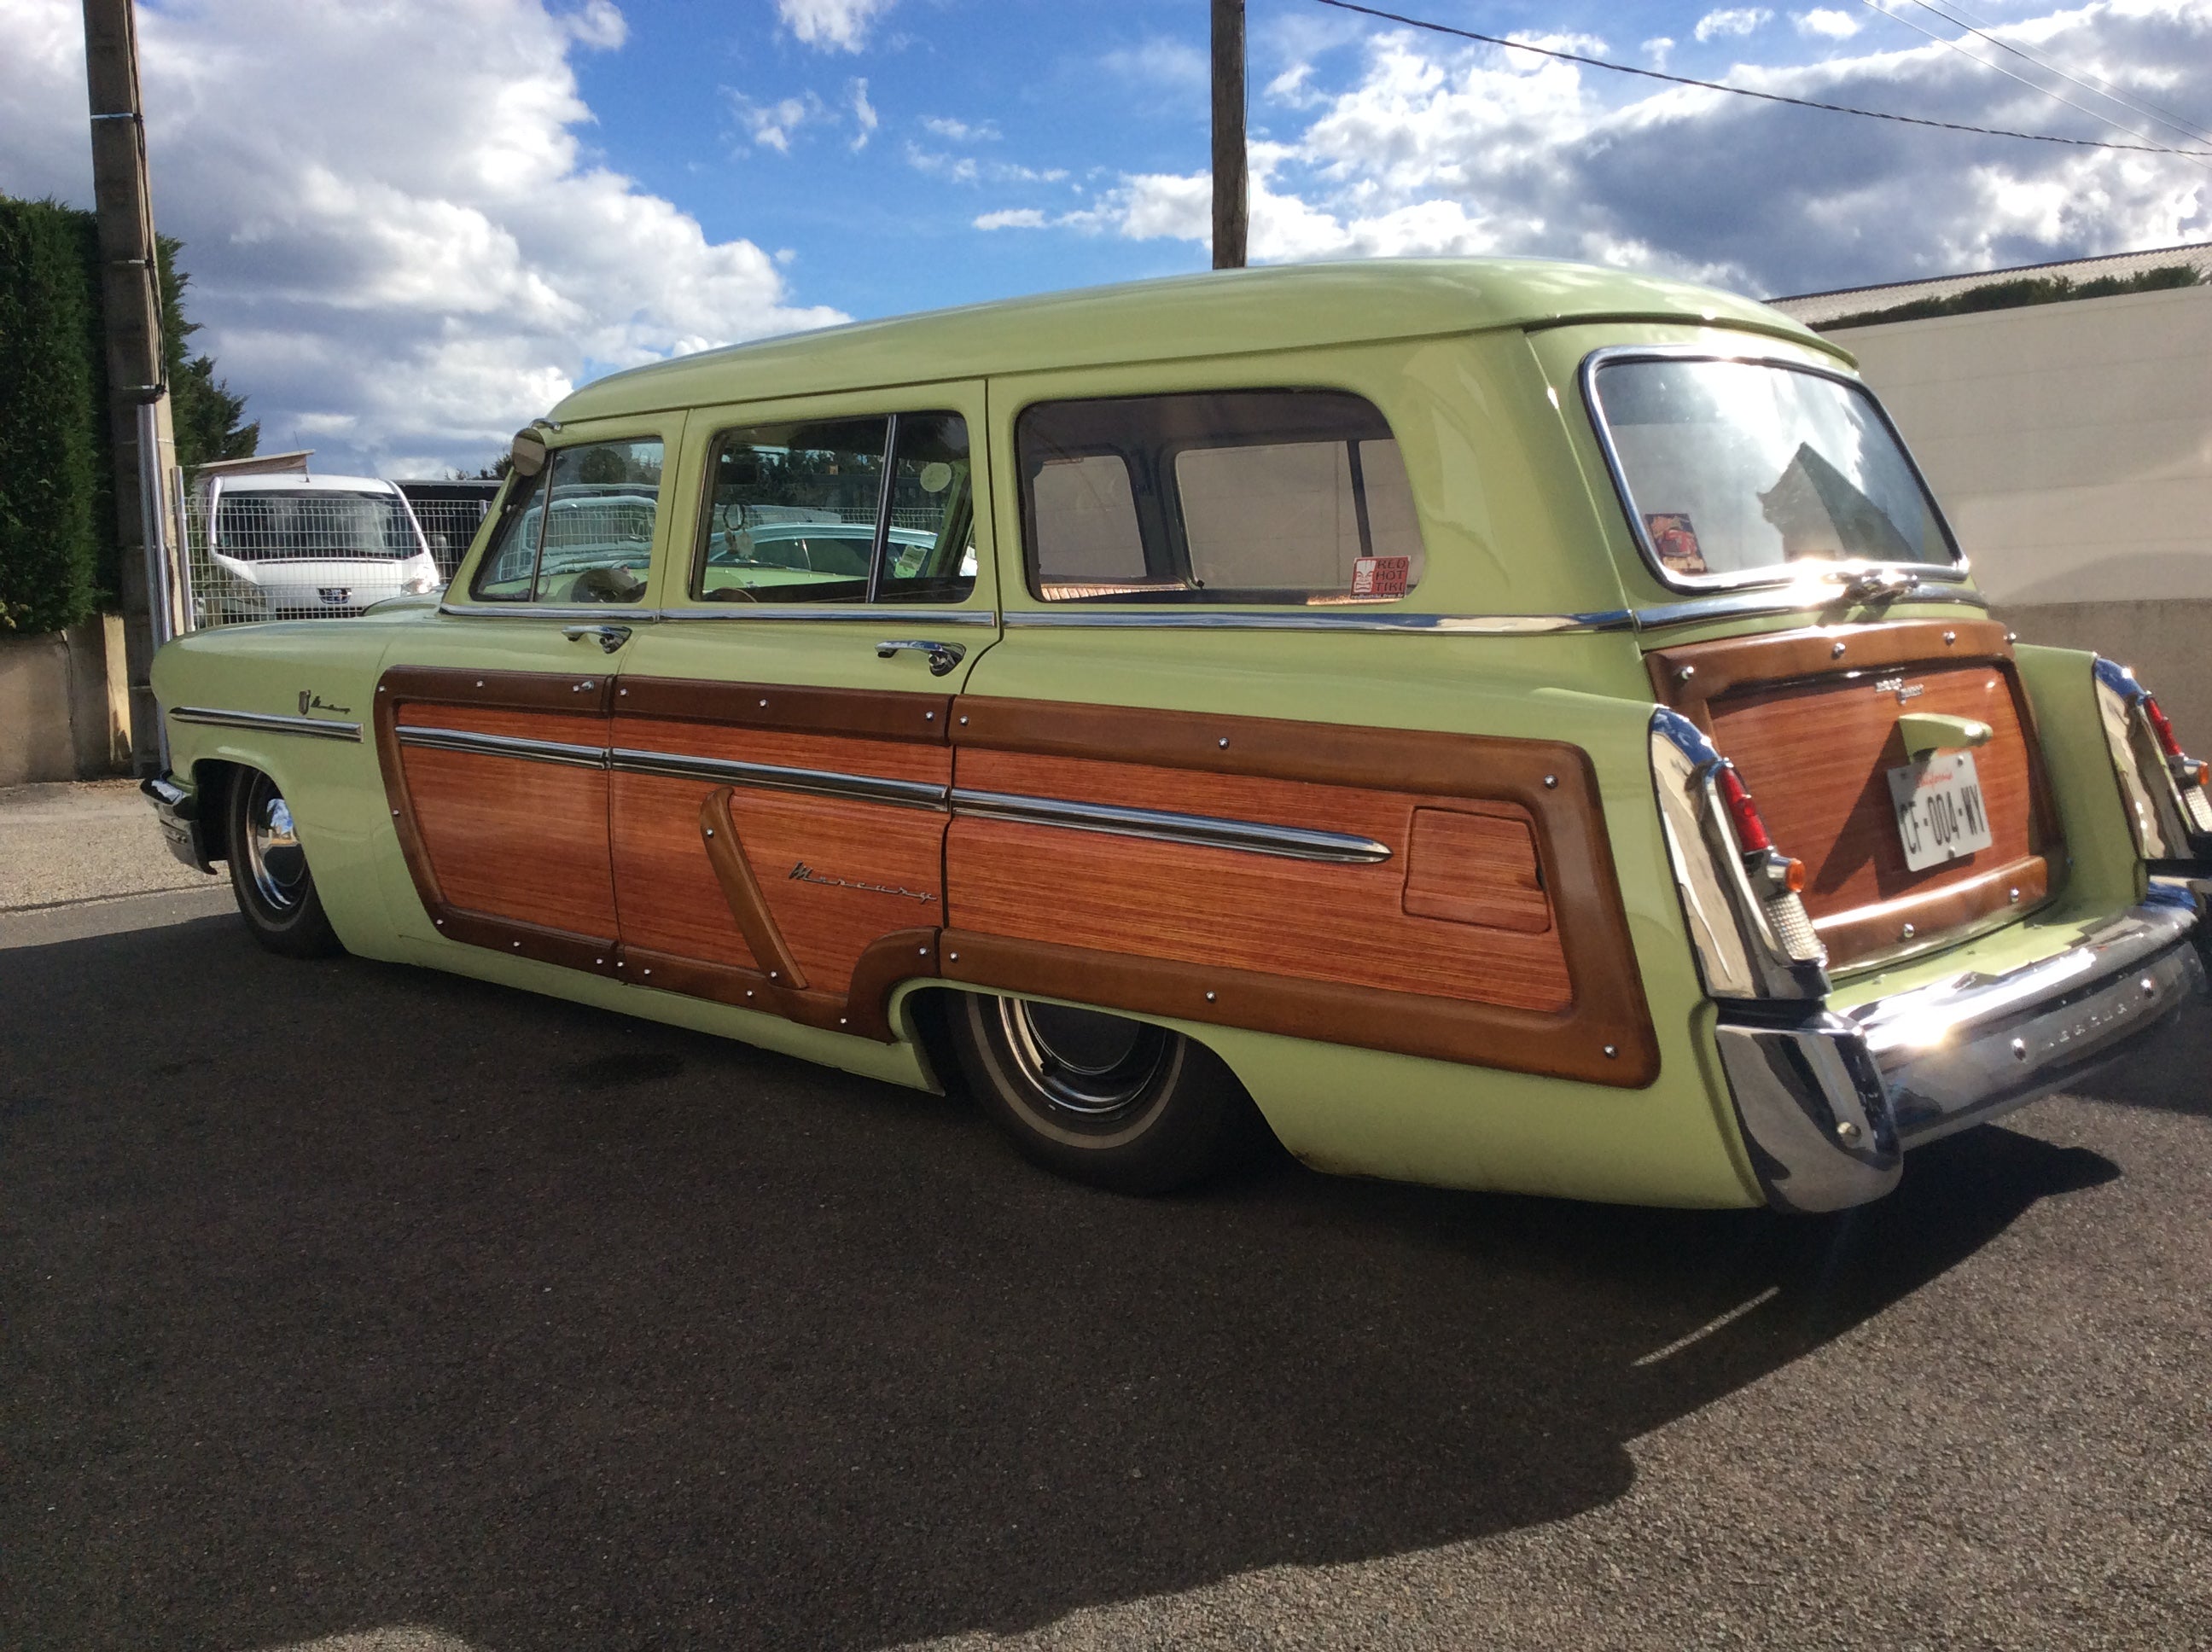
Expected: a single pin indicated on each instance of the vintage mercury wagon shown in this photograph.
(1343, 687)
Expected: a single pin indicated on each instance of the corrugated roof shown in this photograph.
(1814, 309)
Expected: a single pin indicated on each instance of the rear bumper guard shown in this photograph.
(178, 811)
(1828, 1105)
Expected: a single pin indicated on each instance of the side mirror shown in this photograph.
(527, 453)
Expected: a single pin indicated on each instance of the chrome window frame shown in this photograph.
(1782, 574)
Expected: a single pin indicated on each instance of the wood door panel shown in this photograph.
(578, 729)
(515, 839)
(1319, 920)
(665, 890)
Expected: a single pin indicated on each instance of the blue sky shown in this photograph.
(415, 225)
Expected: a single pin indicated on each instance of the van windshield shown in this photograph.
(1733, 469)
(313, 524)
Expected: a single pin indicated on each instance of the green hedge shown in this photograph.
(2017, 294)
(57, 503)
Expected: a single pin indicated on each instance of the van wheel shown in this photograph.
(269, 871)
(1102, 1099)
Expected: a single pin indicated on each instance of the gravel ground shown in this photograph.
(87, 840)
(358, 1308)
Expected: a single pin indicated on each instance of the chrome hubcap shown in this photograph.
(273, 855)
(1096, 1067)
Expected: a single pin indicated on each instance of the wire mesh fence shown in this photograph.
(298, 552)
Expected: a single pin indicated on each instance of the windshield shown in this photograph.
(1737, 468)
(313, 524)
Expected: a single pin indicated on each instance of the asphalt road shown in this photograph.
(357, 1307)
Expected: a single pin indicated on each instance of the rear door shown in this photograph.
(781, 762)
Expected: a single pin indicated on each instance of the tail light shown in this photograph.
(1740, 893)
(2164, 787)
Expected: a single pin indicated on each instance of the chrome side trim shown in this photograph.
(611, 611)
(821, 782)
(502, 745)
(1207, 831)
(1084, 619)
(265, 722)
(853, 614)
(1798, 598)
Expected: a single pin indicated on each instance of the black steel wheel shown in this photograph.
(269, 871)
(1102, 1098)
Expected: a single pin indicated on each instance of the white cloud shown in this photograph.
(1656, 48)
(832, 25)
(864, 116)
(399, 249)
(967, 169)
(1826, 23)
(1012, 218)
(1160, 65)
(1733, 20)
(961, 131)
(1434, 149)
(771, 124)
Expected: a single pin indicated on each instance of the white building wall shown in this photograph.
(2071, 447)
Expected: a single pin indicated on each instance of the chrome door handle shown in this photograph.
(943, 656)
(611, 637)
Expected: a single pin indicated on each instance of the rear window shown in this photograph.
(1239, 496)
(313, 524)
(1734, 470)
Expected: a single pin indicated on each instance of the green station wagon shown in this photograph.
(1503, 724)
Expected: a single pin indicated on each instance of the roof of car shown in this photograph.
(1222, 313)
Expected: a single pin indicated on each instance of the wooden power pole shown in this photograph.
(1229, 184)
(138, 396)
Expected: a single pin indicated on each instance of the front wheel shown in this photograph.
(269, 872)
(1118, 1103)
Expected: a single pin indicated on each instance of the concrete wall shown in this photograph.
(64, 704)
(2071, 445)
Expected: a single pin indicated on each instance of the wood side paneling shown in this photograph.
(1319, 920)
(867, 713)
(511, 839)
(569, 729)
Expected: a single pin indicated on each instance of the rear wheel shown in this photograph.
(1103, 1099)
(269, 871)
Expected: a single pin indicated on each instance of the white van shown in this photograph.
(292, 546)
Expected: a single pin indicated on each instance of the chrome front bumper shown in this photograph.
(1828, 1105)
(178, 811)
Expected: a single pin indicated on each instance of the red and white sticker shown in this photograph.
(1381, 576)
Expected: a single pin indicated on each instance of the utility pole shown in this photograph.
(139, 394)
(1229, 172)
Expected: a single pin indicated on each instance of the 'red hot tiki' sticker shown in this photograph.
(1675, 540)
(1381, 576)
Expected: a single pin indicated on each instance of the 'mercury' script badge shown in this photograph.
(803, 873)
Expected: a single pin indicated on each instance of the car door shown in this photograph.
(492, 721)
(780, 763)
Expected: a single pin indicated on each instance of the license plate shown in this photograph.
(1940, 815)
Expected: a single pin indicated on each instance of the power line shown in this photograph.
(1984, 63)
(1764, 97)
(2096, 83)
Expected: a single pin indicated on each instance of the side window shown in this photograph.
(1278, 496)
(813, 512)
(583, 533)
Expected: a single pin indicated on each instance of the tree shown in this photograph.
(205, 411)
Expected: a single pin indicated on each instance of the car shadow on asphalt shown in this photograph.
(341, 1294)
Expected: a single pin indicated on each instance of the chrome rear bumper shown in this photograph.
(1828, 1105)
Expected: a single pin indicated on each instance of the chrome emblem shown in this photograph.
(801, 872)
(310, 700)
(1904, 691)
(337, 593)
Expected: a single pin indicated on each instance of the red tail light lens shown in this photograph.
(1750, 830)
(2162, 726)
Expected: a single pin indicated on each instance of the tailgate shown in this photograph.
(1811, 718)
